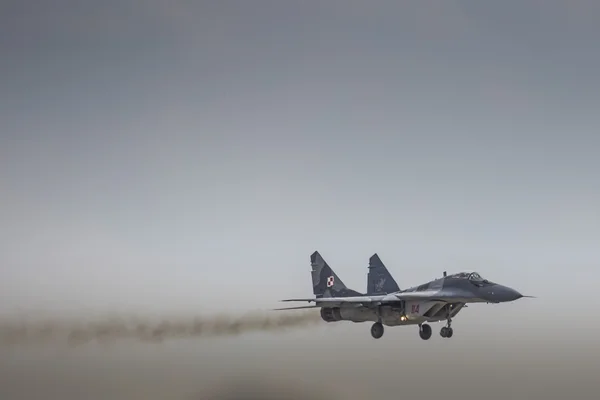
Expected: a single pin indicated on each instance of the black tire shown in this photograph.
(377, 330)
(449, 333)
(425, 332)
(444, 332)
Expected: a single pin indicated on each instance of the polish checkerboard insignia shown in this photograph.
(330, 281)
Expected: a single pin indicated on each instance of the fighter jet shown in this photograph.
(386, 305)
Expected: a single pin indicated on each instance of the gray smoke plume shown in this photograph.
(19, 331)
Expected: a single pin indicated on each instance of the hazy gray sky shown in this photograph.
(194, 154)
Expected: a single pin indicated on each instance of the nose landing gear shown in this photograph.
(447, 331)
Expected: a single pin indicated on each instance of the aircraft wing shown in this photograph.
(446, 296)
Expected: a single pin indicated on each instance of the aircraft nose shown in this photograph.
(501, 294)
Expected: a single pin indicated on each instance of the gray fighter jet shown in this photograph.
(385, 304)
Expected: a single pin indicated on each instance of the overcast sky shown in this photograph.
(194, 154)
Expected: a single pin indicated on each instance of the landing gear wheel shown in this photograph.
(377, 330)
(425, 331)
(446, 332)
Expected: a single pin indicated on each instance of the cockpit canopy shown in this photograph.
(474, 276)
(471, 276)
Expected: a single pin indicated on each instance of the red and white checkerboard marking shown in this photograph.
(330, 281)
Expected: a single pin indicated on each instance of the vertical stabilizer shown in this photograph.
(379, 279)
(325, 281)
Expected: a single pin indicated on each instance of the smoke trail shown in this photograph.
(53, 331)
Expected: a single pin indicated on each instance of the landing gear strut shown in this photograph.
(424, 331)
(377, 330)
(446, 331)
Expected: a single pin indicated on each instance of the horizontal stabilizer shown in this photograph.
(295, 308)
(307, 299)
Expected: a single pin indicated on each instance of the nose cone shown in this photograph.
(502, 294)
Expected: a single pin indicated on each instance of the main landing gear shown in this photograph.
(377, 330)
(424, 331)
